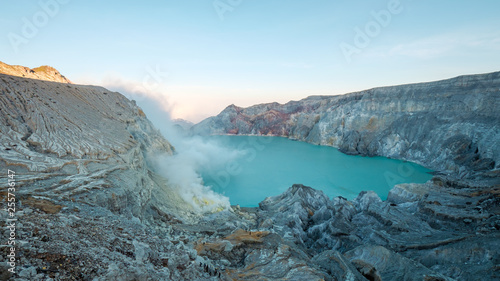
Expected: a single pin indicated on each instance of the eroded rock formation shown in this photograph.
(450, 126)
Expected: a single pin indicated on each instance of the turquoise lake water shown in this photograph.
(270, 165)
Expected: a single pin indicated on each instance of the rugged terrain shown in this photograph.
(78, 152)
(44, 72)
(452, 126)
(92, 206)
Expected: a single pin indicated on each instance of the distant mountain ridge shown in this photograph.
(451, 125)
(44, 72)
(183, 124)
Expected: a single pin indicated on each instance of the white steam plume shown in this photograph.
(193, 154)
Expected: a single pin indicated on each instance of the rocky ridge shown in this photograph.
(90, 206)
(450, 126)
(43, 72)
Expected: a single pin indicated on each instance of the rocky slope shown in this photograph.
(71, 139)
(44, 72)
(91, 206)
(81, 157)
(431, 231)
(451, 126)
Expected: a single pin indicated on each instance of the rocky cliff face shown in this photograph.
(44, 72)
(71, 139)
(90, 206)
(87, 193)
(450, 125)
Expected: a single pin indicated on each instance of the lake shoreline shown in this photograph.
(273, 168)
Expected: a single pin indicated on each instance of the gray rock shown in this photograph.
(406, 233)
(449, 125)
(28, 273)
(407, 192)
(365, 199)
(379, 263)
(338, 266)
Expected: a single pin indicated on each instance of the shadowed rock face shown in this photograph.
(450, 125)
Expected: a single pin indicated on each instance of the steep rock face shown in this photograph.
(44, 72)
(450, 125)
(67, 140)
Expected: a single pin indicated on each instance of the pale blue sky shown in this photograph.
(259, 51)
